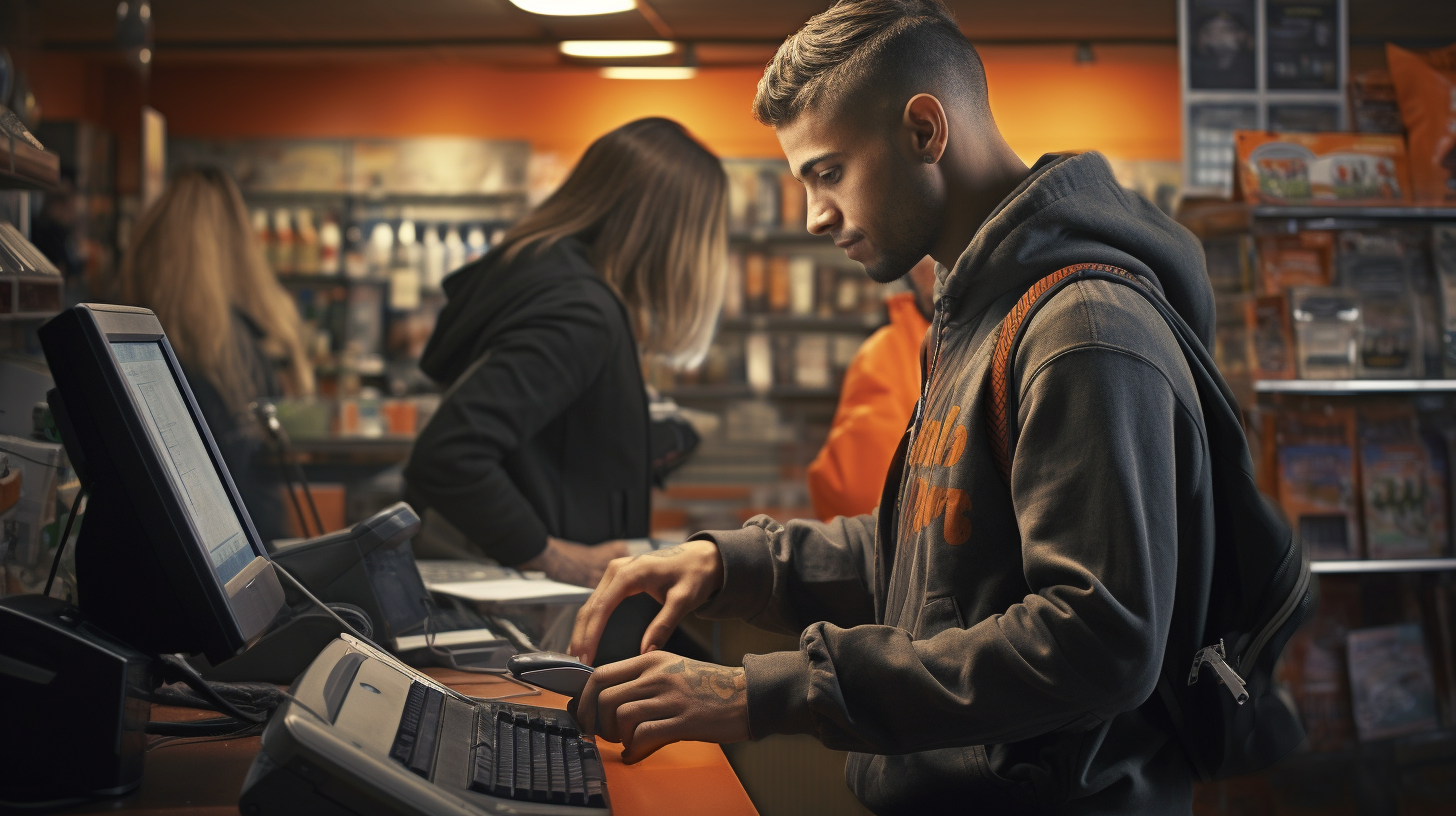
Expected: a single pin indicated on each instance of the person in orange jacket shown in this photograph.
(875, 404)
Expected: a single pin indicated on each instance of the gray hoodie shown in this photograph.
(988, 647)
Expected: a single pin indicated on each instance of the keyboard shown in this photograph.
(363, 733)
(517, 752)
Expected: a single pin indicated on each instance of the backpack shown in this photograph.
(1254, 589)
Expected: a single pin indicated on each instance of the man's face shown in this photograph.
(866, 190)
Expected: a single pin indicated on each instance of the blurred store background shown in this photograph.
(381, 145)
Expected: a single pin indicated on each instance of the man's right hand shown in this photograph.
(680, 578)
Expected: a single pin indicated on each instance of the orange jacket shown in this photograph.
(879, 394)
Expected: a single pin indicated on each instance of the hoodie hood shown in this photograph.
(489, 297)
(1071, 210)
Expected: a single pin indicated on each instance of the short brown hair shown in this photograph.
(870, 46)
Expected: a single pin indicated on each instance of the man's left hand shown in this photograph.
(659, 698)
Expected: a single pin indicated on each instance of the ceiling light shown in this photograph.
(617, 48)
(650, 72)
(574, 8)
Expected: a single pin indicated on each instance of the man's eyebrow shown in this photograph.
(808, 165)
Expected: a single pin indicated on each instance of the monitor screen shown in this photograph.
(178, 443)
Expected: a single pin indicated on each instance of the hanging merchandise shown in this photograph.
(1426, 89)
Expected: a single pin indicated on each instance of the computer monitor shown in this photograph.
(167, 559)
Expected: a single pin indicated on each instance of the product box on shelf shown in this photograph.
(1270, 338)
(1316, 477)
(1303, 259)
(1426, 87)
(1391, 684)
(1403, 491)
(1326, 331)
(1321, 168)
(1377, 264)
(1443, 256)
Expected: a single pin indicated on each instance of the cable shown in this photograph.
(267, 414)
(450, 662)
(193, 679)
(216, 726)
(298, 585)
(20, 455)
(61, 545)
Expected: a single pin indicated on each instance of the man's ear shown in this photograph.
(925, 125)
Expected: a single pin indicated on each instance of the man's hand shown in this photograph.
(657, 699)
(680, 578)
(572, 563)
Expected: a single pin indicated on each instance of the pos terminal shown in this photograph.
(168, 563)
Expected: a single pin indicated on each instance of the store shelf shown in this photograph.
(289, 279)
(1340, 211)
(389, 447)
(1353, 386)
(735, 391)
(23, 167)
(1383, 565)
(788, 322)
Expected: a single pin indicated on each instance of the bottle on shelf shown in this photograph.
(434, 259)
(306, 249)
(282, 259)
(475, 244)
(454, 249)
(264, 233)
(330, 241)
(380, 252)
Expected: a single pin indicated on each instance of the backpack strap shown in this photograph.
(999, 416)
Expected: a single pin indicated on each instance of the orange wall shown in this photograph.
(1125, 104)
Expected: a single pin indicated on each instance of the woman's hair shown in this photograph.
(194, 258)
(651, 203)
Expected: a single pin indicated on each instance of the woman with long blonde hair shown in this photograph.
(195, 261)
(539, 454)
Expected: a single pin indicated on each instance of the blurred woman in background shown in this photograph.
(538, 456)
(195, 261)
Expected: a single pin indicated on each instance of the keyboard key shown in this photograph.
(575, 780)
(540, 764)
(422, 757)
(594, 775)
(522, 739)
(409, 725)
(555, 751)
(482, 774)
(505, 759)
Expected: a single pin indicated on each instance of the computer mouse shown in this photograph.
(552, 671)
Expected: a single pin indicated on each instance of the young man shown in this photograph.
(979, 646)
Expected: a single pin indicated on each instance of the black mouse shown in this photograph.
(552, 671)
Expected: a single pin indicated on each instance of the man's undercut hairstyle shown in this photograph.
(863, 50)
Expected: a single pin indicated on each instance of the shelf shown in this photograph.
(1383, 565)
(735, 391)
(1353, 386)
(290, 279)
(788, 322)
(23, 167)
(1341, 211)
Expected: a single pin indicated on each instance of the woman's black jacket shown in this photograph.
(543, 429)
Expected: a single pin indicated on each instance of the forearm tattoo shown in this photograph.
(709, 680)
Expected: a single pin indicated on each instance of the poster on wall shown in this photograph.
(154, 156)
(1303, 44)
(1222, 43)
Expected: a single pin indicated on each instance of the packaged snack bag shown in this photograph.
(1321, 168)
(1426, 88)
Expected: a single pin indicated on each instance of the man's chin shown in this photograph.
(882, 270)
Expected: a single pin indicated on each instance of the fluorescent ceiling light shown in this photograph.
(616, 48)
(649, 72)
(574, 8)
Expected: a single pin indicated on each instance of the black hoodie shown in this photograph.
(543, 426)
(984, 647)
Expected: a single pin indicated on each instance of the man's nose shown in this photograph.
(822, 217)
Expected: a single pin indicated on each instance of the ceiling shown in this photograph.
(741, 31)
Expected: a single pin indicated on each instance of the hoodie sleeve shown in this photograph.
(1095, 487)
(782, 577)
(531, 373)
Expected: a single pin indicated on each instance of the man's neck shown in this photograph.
(978, 177)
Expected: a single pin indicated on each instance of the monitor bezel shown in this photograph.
(243, 607)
